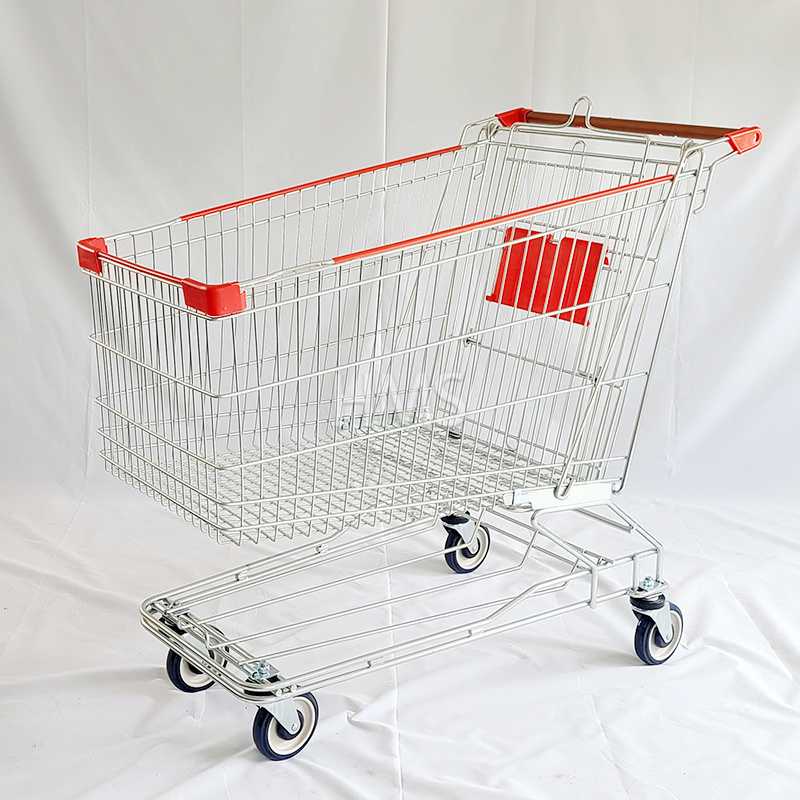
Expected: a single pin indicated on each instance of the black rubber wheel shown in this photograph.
(462, 560)
(274, 741)
(648, 642)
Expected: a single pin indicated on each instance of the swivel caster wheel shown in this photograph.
(187, 677)
(467, 558)
(274, 741)
(648, 642)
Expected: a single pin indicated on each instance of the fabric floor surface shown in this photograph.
(558, 709)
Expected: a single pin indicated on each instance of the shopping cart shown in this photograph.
(464, 336)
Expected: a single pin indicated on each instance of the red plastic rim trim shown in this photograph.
(214, 300)
(312, 184)
(516, 115)
(488, 223)
(745, 139)
(211, 299)
(89, 254)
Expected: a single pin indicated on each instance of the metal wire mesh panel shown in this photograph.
(436, 334)
(467, 334)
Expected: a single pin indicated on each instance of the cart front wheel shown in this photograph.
(274, 741)
(648, 642)
(186, 676)
(466, 559)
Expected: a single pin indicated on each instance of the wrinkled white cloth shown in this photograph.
(550, 710)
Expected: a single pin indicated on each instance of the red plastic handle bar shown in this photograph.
(211, 299)
(741, 139)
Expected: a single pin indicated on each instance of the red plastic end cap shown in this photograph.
(213, 300)
(509, 118)
(88, 250)
(745, 139)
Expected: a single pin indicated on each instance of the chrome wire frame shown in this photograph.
(538, 574)
(358, 398)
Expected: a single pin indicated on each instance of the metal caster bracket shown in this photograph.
(284, 710)
(466, 527)
(649, 602)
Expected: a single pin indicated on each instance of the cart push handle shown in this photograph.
(741, 139)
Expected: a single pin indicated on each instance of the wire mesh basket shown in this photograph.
(465, 333)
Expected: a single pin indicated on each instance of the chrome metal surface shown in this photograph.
(390, 368)
(663, 619)
(384, 387)
(287, 611)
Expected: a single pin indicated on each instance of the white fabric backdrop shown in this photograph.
(115, 115)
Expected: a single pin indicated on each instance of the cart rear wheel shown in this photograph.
(466, 559)
(648, 642)
(274, 741)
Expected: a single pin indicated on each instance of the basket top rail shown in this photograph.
(223, 299)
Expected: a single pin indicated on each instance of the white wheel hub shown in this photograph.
(192, 676)
(285, 744)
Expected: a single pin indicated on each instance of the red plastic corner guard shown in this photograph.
(745, 139)
(509, 118)
(213, 300)
(88, 254)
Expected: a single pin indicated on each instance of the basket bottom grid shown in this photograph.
(390, 475)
